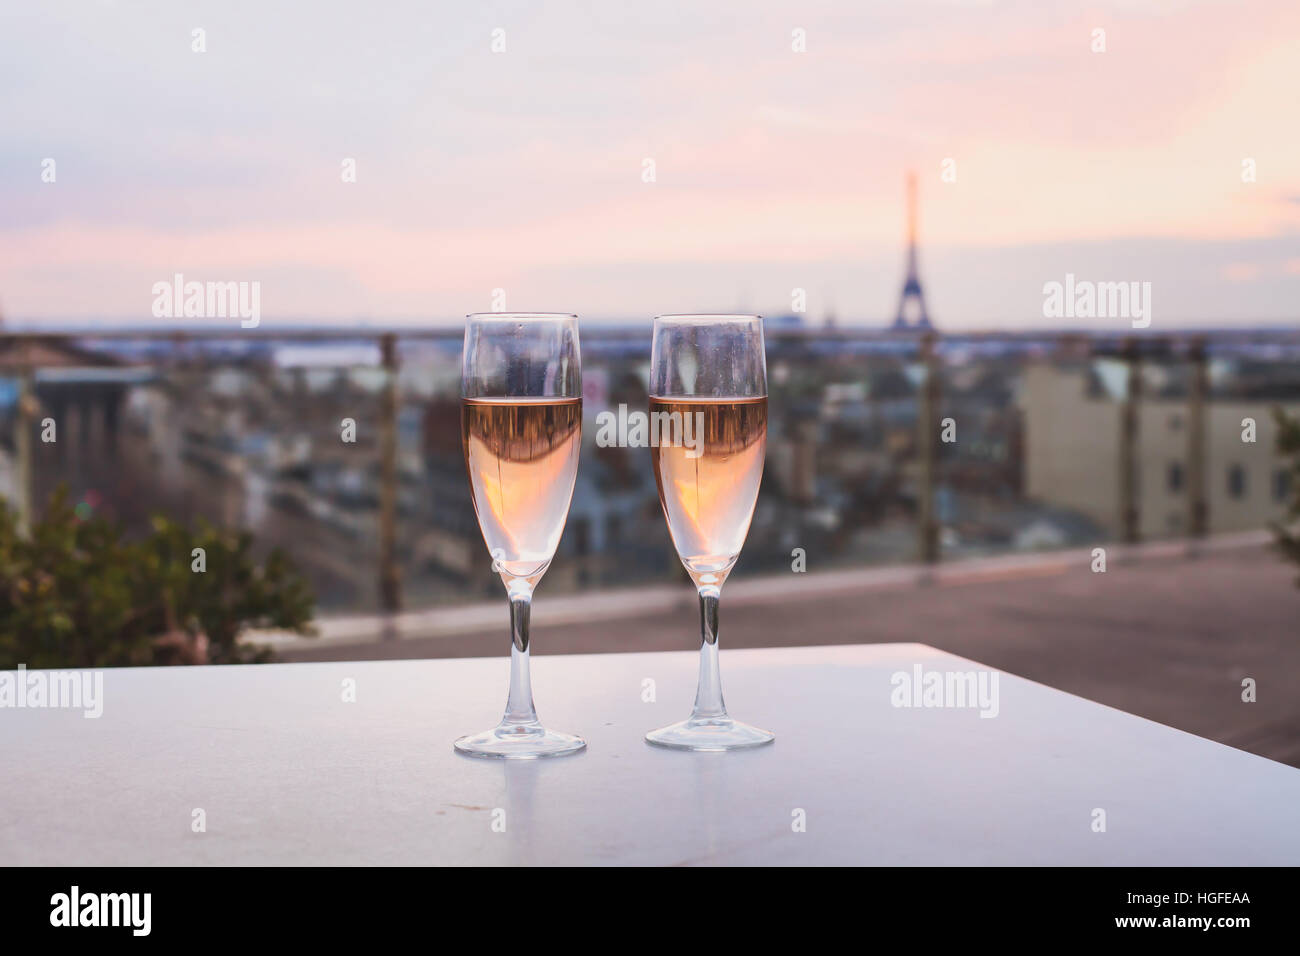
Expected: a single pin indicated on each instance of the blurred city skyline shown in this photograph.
(522, 170)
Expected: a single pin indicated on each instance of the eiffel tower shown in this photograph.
(912, 284)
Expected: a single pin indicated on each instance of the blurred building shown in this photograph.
(1072, 454)
(80, 393)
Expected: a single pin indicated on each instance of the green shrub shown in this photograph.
(75, 593)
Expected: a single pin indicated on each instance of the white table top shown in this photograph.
(287, 773)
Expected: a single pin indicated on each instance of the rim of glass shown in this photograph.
(520, 316)
(700, 318)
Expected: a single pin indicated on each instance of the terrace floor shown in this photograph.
(1161, 634)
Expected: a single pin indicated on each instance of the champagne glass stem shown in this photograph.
(519, 706)
(708, 695)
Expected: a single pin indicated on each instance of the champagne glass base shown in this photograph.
(709, 734)
(520, 742)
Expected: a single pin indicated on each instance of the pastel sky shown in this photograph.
(774, 170)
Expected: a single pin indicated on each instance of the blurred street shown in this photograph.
(1167, 637)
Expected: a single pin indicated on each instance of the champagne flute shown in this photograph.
(521, 426)
(708, 387)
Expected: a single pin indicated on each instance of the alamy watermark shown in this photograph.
(950, 689)
(67, 690)
(129, 910)
(1084, 299)
(179, 299)
(638, 429)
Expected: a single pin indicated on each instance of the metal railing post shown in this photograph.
(927, 436)
(1198, 505)
(23, 452)
(1130, 516)
(390, 580)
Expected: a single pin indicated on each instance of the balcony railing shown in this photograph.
(883, 447)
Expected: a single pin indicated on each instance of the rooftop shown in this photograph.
(1160, 634)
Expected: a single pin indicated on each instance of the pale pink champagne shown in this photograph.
(708, 491)
(522, 455)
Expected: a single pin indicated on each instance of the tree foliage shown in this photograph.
(77, 593)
